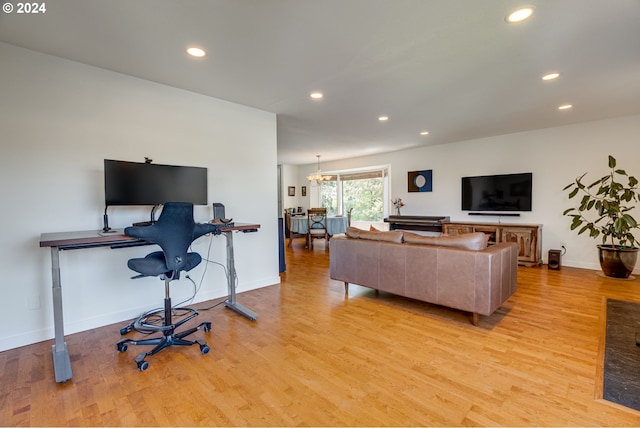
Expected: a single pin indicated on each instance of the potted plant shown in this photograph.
(604, 209)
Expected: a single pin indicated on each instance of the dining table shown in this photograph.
(335, 225)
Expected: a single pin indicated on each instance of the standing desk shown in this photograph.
(91, 239)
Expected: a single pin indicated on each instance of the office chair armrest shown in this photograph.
(140, 232)
(204, 228)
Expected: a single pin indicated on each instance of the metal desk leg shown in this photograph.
(61, 360)
(231, 281)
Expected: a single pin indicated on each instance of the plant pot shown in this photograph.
(617, 262)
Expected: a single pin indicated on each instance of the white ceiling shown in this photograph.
(452, 67)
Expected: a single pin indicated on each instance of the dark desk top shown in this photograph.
(98, 238)
(84, 237)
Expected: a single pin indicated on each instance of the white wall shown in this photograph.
(290, 178)
(555, 156)
(59, 120)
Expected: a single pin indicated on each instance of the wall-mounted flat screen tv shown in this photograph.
(134, 183)
(505, 192)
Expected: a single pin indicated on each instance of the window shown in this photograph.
(364, 190)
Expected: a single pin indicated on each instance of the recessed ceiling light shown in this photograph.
(565, 107)
(383, 118)
(424, 133)
(519, 15)
(196, 52)
(551, 76)
(316, 95)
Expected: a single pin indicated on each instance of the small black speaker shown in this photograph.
(218, 211)
(554, 259)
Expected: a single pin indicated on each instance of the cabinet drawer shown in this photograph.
(457, 230)
(527, 242)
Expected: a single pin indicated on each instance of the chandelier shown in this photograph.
(318, 177)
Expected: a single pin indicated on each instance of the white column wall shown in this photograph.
(60, 120)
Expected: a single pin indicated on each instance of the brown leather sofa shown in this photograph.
(459, 272)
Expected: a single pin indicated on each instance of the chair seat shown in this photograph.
(154, 264)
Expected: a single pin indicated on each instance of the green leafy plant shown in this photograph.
(605, 205)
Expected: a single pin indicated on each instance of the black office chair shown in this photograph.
(174, 232)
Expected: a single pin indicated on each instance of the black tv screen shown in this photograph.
(134, 183)
(506, 192)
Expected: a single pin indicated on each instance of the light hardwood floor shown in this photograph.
(316, 357)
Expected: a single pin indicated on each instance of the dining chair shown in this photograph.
(317, 226)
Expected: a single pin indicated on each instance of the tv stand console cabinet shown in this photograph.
(527, 236)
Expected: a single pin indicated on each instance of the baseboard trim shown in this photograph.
(85, 324)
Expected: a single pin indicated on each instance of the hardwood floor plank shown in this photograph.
(318, 357)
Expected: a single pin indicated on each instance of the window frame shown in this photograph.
(381, 171)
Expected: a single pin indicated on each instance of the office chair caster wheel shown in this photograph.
(122, 346)
(125, 330)
(142, 365)
(204, 349)
(207, 327)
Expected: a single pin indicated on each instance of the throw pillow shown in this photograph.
(470, 241)
(390, 236)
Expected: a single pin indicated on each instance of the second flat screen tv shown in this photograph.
(133, 183)
(506, 192)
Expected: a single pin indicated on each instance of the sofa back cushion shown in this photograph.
(376, 235)
(470, 241)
